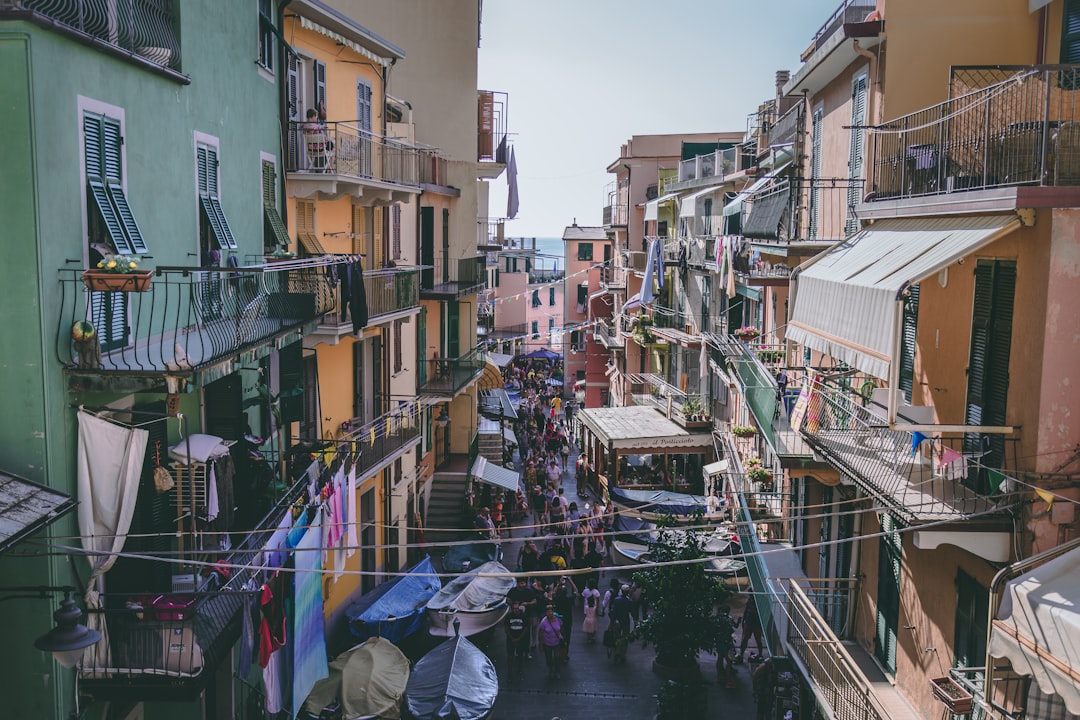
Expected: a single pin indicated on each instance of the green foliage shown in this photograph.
(682, 599)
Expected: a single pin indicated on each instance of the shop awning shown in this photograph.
(1038, 627)
(497, 402)
(688, 205)
(491, 378)
(638, 427)
(652, 208)
(846, 299)
(492, 474)
(500, 360)
(735, 206)
(26, 507)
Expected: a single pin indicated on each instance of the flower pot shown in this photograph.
(952, 694)
(98, 281)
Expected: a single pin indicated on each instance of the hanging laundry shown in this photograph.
(308, 638)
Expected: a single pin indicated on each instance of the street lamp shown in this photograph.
(69, 637)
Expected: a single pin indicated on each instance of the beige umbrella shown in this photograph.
(369, 680)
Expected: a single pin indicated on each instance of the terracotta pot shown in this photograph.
(952, 694)
(99, 281)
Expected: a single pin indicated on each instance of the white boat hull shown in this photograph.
(441, 622)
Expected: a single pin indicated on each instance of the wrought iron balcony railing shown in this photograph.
(449, 278)
(345, 150)
(377, 441)
(1022, 130)
(148, 29)
(388, 292)
(189, 318)
(913, 475)
(491, 139)
(449, 376)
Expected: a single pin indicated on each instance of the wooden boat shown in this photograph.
(477, 599)
(720, 544)
(395, 609)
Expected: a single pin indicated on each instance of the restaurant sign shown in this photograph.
(697, 441)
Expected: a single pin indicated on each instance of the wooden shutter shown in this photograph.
(815, 173)
(453, 329)
(907, 340)
(421, 347)
(855, 157)
(446, 244)
(890, 555)
(109, 316)
(363, 105)
(359, 232)
(972, 611)
(113, 165)
(305, 228)
(395, 230)
(1070, 32)
(319, 70)
(397, 345)
(485, 125)
(291, 382)
(358, 380)
(378, 238)
(274, 232)
(293, 110)
(96, 178)
(309, 423)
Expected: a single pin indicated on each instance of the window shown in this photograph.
(815, 171)
(215, 232)
(1070, 32)
(706, 216)
(102, 142)
(309, 423)
(551, 325)
(575, 339)
(536, 328)
(397, 345)
(266, 35)
(305, 228)
(582, 296)
(318, 70)
(584, 251)
(274, 233)
(972, 611)
(551, 295)
(536, 298)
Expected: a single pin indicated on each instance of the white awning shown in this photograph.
(688, 205)
(847, 299)
(492, 474)
(1038, 627)
(720, 466)
(499, 359)
(652, 208)
(735, 206)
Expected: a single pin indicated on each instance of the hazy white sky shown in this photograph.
(583, 76)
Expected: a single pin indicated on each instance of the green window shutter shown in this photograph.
(535, 327)
(453, 329)
(208, 190)
(95, 150)
(109, 316)
(291, 382)
(275, 234)
(855, 156)
(815, 172)
(584, 251)
(319, 69)
(551, 295)
(1070, 32)
(972, 611)
(421, 347)
(907, 347)
(113, 162)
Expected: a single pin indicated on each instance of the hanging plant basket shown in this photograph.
(98, 281)
(952, 694)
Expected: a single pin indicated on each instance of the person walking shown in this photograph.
(620, 625)
(563, 597)
(517, 642)
(751, 627)
(590, 602)
(550, 635)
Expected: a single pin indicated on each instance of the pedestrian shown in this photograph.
(564, 450)
(763, 682)
(563, 597)
(536, 612)
(554, 474)
(517, 642)
(725, 669)
(620, 625)
(485, 528)
(550, 635)
(751, 627)
(528, 559)
(590, 603)
(611, 594)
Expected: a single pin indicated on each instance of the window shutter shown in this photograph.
(94, 148)
(397, 345)
(363, 105)
(907, 347)
(855, 158)
(395, 230)
(359, 230)
(309, 424)
(551, 295)
(274, 232)
(453, 329)
(201, 169)
(291, 382)
(535, 327)
(109, 316)
(209, 166)
(421, 347)
(815, 173)
(114, 180)
(293, 110)
(1070, 32)
(379, 256)
(320, 87)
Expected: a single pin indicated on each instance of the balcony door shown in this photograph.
(888, 593)
(427, 247)
(363, 121)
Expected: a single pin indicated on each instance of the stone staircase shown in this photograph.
(444, 506)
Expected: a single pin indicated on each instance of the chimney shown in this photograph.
(782, 76)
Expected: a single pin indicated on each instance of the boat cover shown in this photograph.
(659, 501)
(471, 592)
(369, 679)
(475, 554)
(395, 609)
(456, 681)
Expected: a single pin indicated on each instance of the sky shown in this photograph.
(584, 76)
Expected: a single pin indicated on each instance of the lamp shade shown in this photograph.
(67, 640)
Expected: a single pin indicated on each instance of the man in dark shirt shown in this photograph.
(517, 642)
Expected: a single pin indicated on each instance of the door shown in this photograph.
(888, 593)
(363, 121)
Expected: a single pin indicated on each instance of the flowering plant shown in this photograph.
(118, 264)
(758, 474)
(751, 462)
(747, 332)
(743, 431)
(283, 253)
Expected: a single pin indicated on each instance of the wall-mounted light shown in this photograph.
(69, 637)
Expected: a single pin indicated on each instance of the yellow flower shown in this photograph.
(111, 264)
(101, 263)
(133, 265)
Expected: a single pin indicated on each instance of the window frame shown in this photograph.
(265, 56)
(581, 255)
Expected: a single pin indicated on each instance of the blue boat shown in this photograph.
(649, 504)
(395, 609)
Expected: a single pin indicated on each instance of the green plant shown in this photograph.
(751, 462)
(283, 253)
(770, 356)
(691, 406)
(743, 431)
(747, 332)
(118, 264)
(759, 474)
(683, 599)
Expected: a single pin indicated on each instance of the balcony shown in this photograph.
(392, 294)
(909, 477)
(708, 169)
(606, 332)
(146, 32)
(188, 322)
(447, 377)
(492, 150)
(829, 53)
(685, 409)
(615, 215)
(1013, 136)
(612, 278)
(394, 433)
(490, 234)
(340, 158)
(453, 279)
(803, 215)
(433, 172)
(507, 332)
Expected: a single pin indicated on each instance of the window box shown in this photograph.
(99, 281)
(952, 694)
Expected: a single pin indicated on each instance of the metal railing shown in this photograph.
(377, 440)
(345, 149)
(148, 28)
(918, 479)
(615, 214)
(718, 164)
(501, 332)
(190, 318)
(1023, 130)
(838, 680)
(387, 291)
(607, 332)
(1009, 692)
(758, 386)
(453, 276)
(813, 209)
(449, 376)
(491, 137)
(612, 276)
(490, 232)
(850, 11)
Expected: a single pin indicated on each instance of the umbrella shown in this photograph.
(455, 680)
(369, 679)
(542, 354)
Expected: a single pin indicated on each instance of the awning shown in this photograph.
(748, 292)
(720, 466)
(735, 206)
(492, 474)
(652, 208)
(500, 360)
(26, 507)
(491, 378)
(497, 402)
(639, 427)
(868, 272)
(1038, 627)
(766, 214)
(688, 205)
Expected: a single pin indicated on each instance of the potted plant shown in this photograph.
(743, 431)
(691, 409)
(760, 474)
(747, 333)
(282, 253)
(751, 462)
(642, 330)
(117, 273)
(683, 620)
(952, 694)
